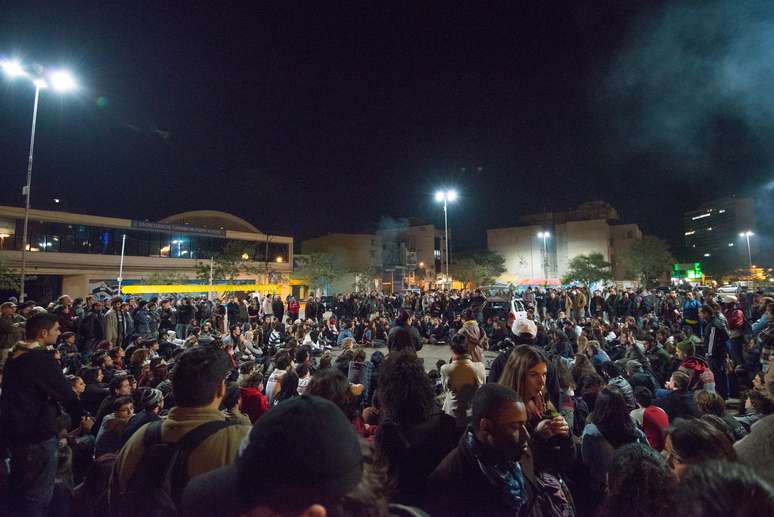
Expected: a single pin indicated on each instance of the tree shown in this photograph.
(479, 268)
(647, 259)
(9, 277)
(588, 269)
(320, 270)
(229, 263)
(364, 279)
(166, 278)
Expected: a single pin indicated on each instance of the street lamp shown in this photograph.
(61, 81)
(544, 236)
(447, 196)
(747, 236)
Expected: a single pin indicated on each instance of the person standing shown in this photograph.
(33, 388)
(116, 327)
(715, 341)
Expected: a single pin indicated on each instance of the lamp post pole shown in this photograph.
(27, 189)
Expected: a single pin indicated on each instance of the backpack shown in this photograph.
(157, 484)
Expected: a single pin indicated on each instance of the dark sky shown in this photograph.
(307, 118)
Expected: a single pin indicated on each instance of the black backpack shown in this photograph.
(157, 484)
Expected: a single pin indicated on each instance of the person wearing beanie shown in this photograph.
(322, 467)
(699, 374)
(149, 403)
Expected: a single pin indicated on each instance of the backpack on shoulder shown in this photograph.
(157, 484)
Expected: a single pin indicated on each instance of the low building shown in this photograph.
(358, 254)
(79, 254)
(540, 248)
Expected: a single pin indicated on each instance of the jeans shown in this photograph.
(735, 347)
(181, 330)
(718, 366)
(31, 482)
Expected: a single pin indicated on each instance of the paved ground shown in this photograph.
(430, 354)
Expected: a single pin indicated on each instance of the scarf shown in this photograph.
(507, 477)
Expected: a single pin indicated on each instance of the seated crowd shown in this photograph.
(246, 407)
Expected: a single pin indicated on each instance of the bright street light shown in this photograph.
(447, 196)
(748, 233)
(544, 235)
(62, 81)
(12, 68)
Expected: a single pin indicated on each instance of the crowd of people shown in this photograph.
(612, 402)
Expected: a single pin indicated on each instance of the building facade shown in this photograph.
(711, 234)
(78, 254)
(531, 257)
(358, 254)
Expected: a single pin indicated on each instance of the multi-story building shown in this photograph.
(414, 256)
(711, 234)
(540, 248)
(358, 254)
(79, 254)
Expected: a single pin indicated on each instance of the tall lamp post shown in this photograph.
(544, 236)
(60, 81)
(446, 196)
(747, 236)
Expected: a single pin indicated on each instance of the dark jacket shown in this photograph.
(457, 487)
(679, 404)
(93, 396)
(412, 453)
(33, 388)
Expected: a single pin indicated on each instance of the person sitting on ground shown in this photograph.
(609, 428)
(274, 383)
(710, 403)
(325, 470)
(757, 405)
(332, 385)
(690, 442)
(288, 389)
(198, 388)
(150, 401)
(640, 484)
(119, 387)
(489, 472)
(232, 406)
(651, 419)
(679, 402)
(700, 377)
(614, 376)
(720, 489)
(460, 379)
(254, 402)
(414, 434)
(113, 425)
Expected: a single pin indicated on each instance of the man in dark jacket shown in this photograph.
(92, 329)
(715, 343)
(679, 403)
(33, 388)
(489, 472)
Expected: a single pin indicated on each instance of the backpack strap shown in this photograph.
(196, 436)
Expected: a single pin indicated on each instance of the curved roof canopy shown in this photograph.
(211, 219)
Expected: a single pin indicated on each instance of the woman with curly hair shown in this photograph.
(640, 484)
(414, 434)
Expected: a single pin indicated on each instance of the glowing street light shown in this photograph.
(62, 81)
(12, 68)
(446, 196)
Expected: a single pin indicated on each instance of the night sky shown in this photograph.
(307, 118)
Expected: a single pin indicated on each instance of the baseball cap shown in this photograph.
(728, 298)
(524, 326)
(304, 447)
